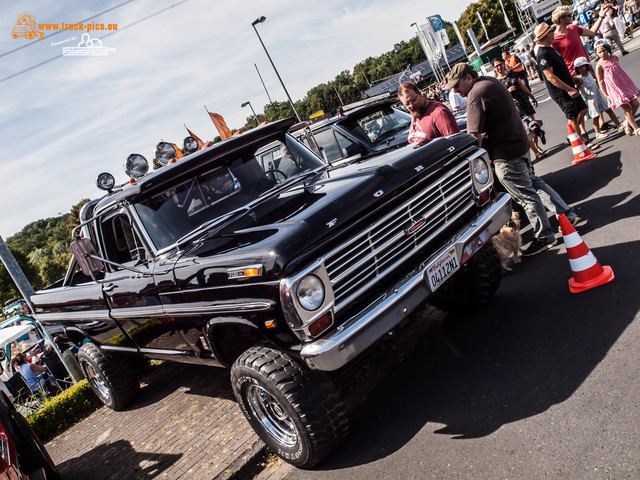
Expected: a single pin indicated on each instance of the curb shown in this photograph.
(247, 466)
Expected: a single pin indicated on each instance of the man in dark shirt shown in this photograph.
(493, 118)
(559, 81)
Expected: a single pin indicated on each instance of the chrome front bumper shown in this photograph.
(360, 332)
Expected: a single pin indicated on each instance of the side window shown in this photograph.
(327, 141)
(343, 141)
(121, 243)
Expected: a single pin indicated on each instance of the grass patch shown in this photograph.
(60, 412)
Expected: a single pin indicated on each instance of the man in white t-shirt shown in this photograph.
(457, 101)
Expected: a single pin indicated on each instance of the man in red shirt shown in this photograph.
(567, 36)
(430, 119)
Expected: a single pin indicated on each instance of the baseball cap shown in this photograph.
(580, 61)
(458, 71)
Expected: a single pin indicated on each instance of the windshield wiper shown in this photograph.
(390, 133)
(221, 222)
(291, 181)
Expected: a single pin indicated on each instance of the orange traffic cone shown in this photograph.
(587, 272)
(580, 151)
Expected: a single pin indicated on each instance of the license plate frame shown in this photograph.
(442, 268)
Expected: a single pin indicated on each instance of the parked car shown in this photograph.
(256, 255)
(22, 454)
(362, 130)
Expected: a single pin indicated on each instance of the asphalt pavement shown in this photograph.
(541, 383)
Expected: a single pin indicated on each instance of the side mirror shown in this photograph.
(351, 150)
(85, 254)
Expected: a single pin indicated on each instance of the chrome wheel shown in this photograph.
(271, 415)
(97, 380)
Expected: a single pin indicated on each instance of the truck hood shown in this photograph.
(294, 223)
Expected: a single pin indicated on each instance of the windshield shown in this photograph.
(214, 193)
(380, 124)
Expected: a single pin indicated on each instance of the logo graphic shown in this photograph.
(91, 47)
(26, 27)
(416, 226)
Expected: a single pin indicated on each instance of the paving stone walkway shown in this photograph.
(184, 424)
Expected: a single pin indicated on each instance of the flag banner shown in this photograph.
(220, 124)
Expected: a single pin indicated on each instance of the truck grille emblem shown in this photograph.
(416, 226)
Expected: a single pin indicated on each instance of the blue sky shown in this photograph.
(63, 123)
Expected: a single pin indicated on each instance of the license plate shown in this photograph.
(442, 268)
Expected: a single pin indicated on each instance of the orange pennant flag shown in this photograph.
(220, 124)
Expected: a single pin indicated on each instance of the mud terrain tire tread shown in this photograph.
(309, 398)
(119, 376)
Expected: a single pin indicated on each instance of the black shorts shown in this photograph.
(571, 106)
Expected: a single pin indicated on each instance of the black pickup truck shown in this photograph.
(254, 254)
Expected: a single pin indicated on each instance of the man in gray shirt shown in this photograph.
(493, 118)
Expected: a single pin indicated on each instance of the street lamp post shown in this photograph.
(253, 24)
(252, 110)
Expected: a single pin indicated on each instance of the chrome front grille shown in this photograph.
(358, 263)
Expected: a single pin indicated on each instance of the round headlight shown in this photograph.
(480, 170)
(190, 144)
(105, 181)
(311, 292)
(136, 166)
(165, 152)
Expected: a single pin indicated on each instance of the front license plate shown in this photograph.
(442, 268)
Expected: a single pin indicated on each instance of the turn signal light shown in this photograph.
(251, 272)
(321, 324)
(484, 197)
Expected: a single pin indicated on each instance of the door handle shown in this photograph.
(109, 287)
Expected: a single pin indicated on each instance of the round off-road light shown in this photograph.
(106, 181)
(190, 144)
(310, 292)
(165, 152)
(136, 166)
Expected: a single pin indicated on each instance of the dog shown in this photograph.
(508, 242)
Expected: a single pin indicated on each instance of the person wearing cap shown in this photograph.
(560, 84)
(429, 119)
(493, 118)
(566, 38)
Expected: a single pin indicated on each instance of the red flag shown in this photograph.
(200, 142)
(220, 124)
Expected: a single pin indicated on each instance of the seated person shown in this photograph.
(30, 373)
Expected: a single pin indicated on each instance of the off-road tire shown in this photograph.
(113, 380)
(299, 401)
(473, 285)
(32, 455)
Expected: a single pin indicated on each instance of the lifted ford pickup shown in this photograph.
(256, 255)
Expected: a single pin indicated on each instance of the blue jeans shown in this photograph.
(533, 194)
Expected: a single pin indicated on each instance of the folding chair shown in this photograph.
(22, 394)
(58, 371)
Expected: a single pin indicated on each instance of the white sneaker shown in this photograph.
(601, 136)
